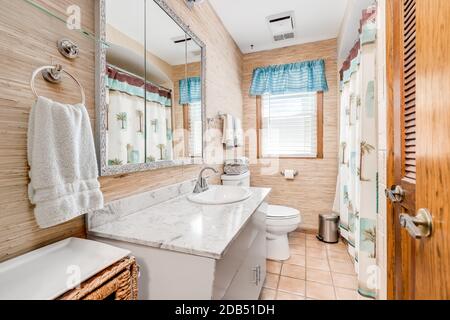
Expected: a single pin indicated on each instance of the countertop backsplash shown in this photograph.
(129, 205)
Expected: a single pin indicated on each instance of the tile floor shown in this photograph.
(315, 271)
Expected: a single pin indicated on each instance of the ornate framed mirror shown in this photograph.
(150, 88)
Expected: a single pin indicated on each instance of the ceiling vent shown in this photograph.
(181, 39)
(282, 26)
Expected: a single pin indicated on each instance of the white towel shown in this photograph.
(238, 133)
(228, 131)
(61, 155)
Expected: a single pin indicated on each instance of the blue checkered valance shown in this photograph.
(190, 90)
(308, 76)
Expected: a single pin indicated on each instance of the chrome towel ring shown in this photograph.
(53, 75)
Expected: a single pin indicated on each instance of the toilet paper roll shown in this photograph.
(289, 174)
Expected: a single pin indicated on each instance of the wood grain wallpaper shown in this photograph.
(312, 192)
(27, 40)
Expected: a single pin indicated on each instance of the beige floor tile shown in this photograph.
(317, 263)
(273, 267)
(296, 259)
(267, 294)
(319, 276)
(271, 281)
(291, 285)
(341, 267)
(316, 252)
(315, 244)
(288, 296)
(319, 291)
(339, 256)
(345, 281)
(297, 249)
(339, 248)
(293, 271)
(299, 235)
(346, 294)
(311, 236)
(300, 241)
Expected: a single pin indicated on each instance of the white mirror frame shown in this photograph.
(101, 106)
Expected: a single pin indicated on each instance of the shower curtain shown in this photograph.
(139, 119)
(130, 134)
(124, 113)
(357, 184)
(159, 143)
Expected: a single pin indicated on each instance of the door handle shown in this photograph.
(396, 194)
(420, 226)
(257, 275)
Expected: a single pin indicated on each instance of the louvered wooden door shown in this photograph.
(422, 144)
(405, 144)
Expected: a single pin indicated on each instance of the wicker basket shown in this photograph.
(117, 282)
(235, 169)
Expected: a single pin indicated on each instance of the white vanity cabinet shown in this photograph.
(242, 271)
(248, 281)
(237, 275)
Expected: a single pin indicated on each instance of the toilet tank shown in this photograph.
(242, 180)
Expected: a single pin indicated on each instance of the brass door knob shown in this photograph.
(420, 226)
(396, 194)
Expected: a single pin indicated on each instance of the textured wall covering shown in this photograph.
(27, 40)
(312, 192)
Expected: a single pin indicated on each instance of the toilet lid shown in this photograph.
(280, 212)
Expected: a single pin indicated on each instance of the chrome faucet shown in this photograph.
(202, 183)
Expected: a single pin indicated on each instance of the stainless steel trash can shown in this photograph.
(328, 228)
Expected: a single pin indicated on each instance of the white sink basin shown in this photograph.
(221, 195)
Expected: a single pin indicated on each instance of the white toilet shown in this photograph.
(280, 221)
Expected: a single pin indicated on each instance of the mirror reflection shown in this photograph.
(154, 86)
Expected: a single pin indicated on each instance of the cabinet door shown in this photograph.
(248, 282)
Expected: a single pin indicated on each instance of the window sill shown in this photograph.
(290, 157)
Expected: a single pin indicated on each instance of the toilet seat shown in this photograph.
(281, 213)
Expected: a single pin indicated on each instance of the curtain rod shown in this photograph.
(139, 77)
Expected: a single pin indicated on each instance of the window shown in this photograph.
(193, 124)
(290, 125)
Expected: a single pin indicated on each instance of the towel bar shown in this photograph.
(53, 74)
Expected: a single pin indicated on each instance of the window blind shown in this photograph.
(195, 129)
(289, 125)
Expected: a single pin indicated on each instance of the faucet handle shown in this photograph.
(209, 168)
(202, 183)
(203, 180)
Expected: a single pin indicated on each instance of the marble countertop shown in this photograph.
(183, 226)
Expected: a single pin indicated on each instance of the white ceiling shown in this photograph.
(128, 17)
(246, 20)
(350, 26)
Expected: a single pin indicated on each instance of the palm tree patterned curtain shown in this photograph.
(357, 186)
